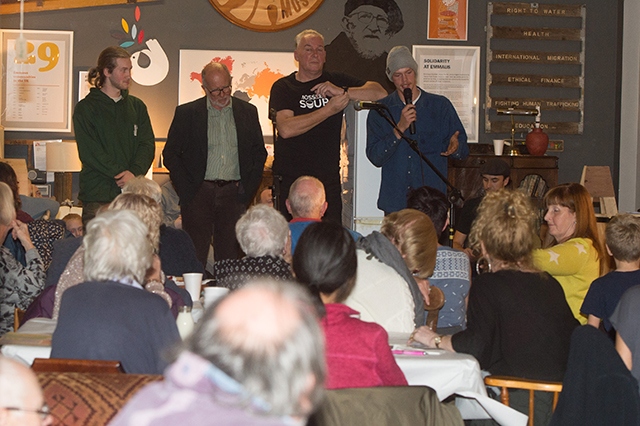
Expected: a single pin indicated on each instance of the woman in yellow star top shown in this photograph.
(576, 256)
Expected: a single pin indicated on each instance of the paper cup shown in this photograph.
(498, 146)
(211, 294)
(193, 284)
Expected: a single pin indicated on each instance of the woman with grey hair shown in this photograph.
(263, 234)
(18, 284)
(110, 316)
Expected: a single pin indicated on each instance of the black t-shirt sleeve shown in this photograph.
(467, 215)
(342, 79)
(279, 98)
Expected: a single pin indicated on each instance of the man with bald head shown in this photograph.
(307, 204)
(21, 398)
(256, 357)
(215, 155)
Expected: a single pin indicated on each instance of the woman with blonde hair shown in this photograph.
(395, 264)
(576, 255)
(518, 321)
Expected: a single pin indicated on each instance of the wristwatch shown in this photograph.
(437, 340)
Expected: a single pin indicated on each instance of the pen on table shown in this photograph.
(407, 352)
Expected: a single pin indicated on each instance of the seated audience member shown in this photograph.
(70, 253)
(170, 203)
(60, 256)
(177, 252)
(18, 284)
(22, 402)
(110, 316)
(151, 215)
(73, 223)
(307, 204)
(393, 270)
(39, 207)
(8, 176)
(518, 321)
(263, 235)
(576, 256)
(452, 273)
(625, 320)
(255, 358)
(623, 243)
(358, 352)
(495, 174)
(266, 197)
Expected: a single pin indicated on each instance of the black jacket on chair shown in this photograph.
(598, 389)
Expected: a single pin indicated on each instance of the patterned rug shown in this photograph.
(89, 399)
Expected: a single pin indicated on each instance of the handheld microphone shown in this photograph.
(408, 99)
(360, 105)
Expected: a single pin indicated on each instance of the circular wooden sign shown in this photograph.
(266, 15)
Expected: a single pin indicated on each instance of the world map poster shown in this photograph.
(253, 75)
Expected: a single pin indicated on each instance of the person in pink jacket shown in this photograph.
(358, 353)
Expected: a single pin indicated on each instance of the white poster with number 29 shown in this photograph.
(37, 87)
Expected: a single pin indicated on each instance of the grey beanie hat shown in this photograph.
(400, 57)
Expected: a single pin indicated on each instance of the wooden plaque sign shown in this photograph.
(545, 104)
(524, 127)
(529, 33)
(536, 80)
(529, 9)
(536, 57)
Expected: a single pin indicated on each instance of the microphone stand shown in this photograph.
(455, 196)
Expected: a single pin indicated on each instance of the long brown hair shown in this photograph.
(108, 59)
(577, 199)
(8, 176)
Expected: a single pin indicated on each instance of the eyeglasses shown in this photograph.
(216, 92)
(43, 412)
(367, 18)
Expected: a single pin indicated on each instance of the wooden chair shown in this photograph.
(60, 365)
(504, 383)
(18, 315)
(436, 302)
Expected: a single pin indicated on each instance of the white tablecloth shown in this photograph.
(26, 353)
(451, 373)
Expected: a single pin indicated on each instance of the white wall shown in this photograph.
(628, 189)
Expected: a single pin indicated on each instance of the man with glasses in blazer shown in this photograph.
(215, 155)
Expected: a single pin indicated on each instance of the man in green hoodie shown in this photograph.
(113, 132)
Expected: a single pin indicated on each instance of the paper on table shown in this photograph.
(412, 350)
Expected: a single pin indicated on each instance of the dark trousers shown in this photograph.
(332, 189)
(89, 211)
(214, 212)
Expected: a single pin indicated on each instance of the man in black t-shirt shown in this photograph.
(495, 175)
(308, 107)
